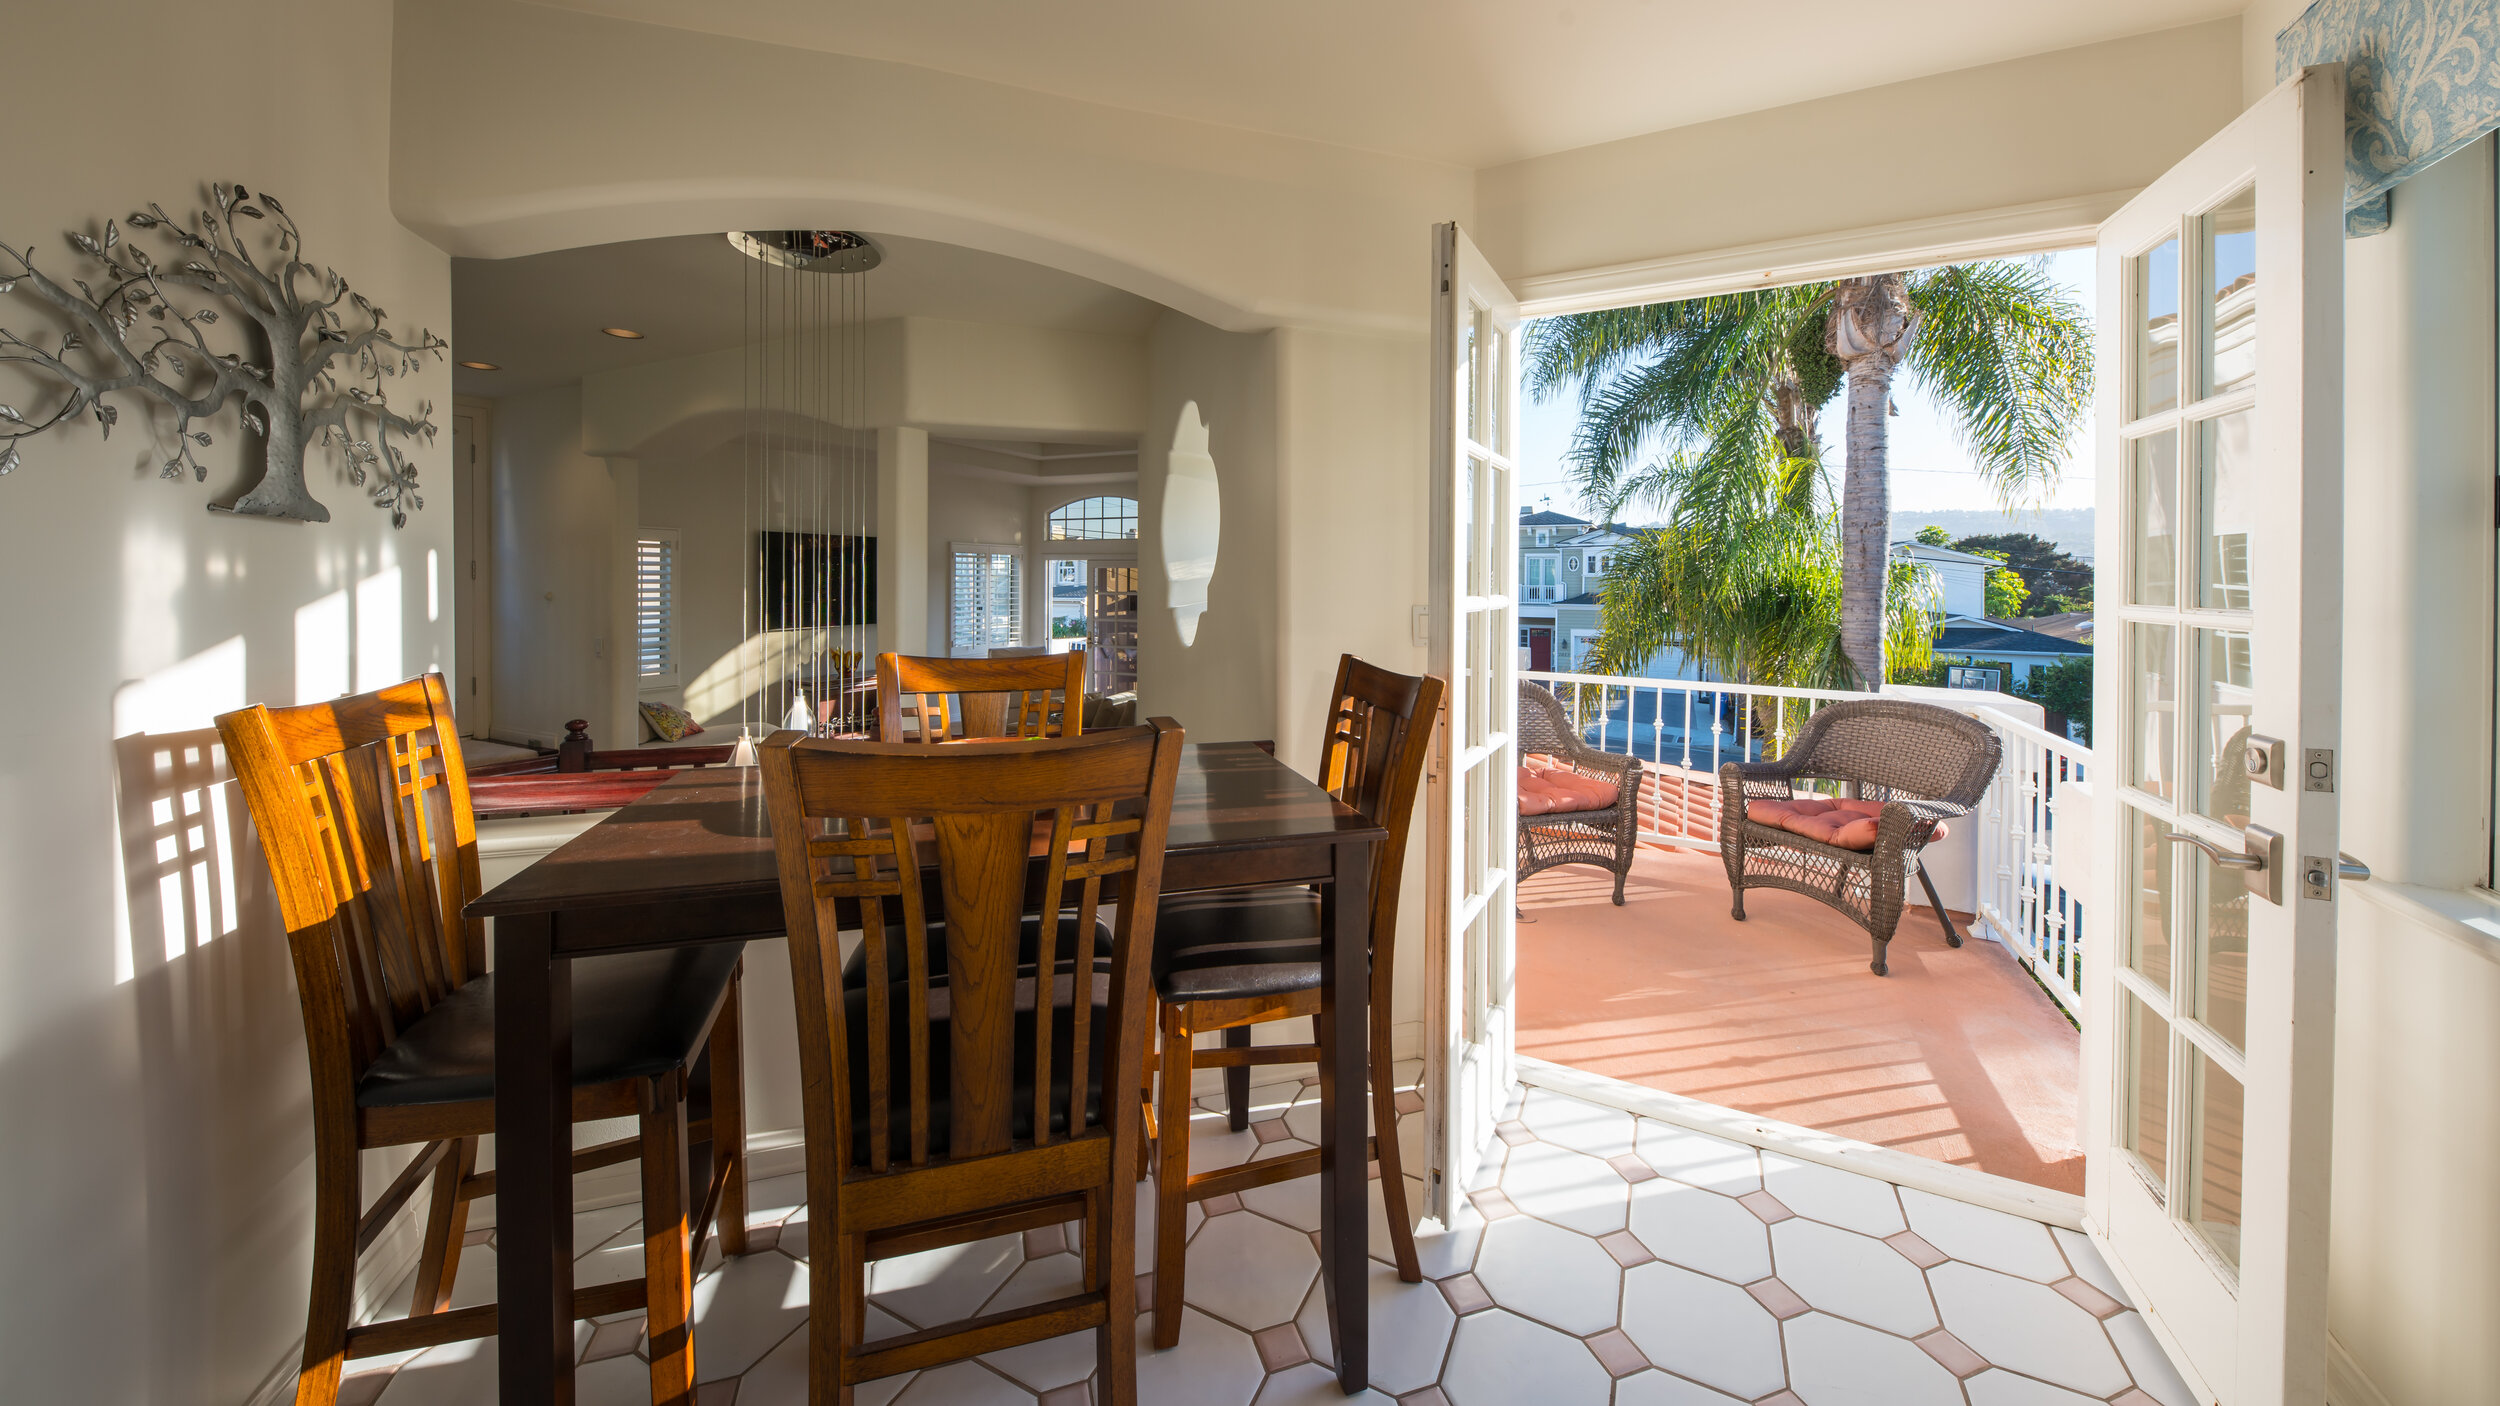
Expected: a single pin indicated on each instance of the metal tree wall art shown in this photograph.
(319, 377)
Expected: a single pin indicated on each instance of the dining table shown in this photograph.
(692, 862)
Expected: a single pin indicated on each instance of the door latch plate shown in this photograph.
(2317, 769)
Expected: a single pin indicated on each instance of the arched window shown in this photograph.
(1094, 520)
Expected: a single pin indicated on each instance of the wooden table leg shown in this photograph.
(533, 1162)
(1344, 1216)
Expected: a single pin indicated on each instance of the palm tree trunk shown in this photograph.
(1866, 520)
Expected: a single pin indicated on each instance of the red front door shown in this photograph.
(1540, 648)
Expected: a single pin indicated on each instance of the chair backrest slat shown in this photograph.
(362, 807)
(1082, 811)
(1034, 696)
(1372, 755)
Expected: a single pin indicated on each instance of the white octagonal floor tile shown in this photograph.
(1988, 1238)
(1852, 1276)
(1443, 1250)
(2086, 1259)
(1576, 1124)
(1835, 1197)
(1411, 1326)
(1312, 1385)
(942, 1286)
(1699, 1159)
(962, 1384)
(1215, 1365)
(1700, 1230)
(1831, 1363)
(2146, 1362)
(1663, 1389)
(743, 1310)
(1549, 1274)
(1501, 1359)
(1702, 1328)
(781, 1378)
(1052, 1362)
(1998, 1387)
(1566, 1187)
(1249, 1271)
(2029, 1327)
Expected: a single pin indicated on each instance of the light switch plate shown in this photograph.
(1423, 624)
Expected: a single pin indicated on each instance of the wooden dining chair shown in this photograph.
(952, 699)
(1230, 959)
(362, 806)
(947, 1107)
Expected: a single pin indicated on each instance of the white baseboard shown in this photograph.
(1810, 1145)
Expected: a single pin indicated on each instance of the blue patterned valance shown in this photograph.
(2422, 78)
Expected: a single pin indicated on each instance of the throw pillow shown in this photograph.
(670, 723)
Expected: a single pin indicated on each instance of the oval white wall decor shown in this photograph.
(1193, 522)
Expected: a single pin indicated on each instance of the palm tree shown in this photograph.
(1734, 383)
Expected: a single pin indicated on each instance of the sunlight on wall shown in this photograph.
(177, 829)
(759, 665)
(378, 658)
(433, 585)
(1193, 522)
(321, 649)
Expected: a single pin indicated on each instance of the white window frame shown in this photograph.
(672, 542)
(1539, 585)
(1582, 641)
(955, 552)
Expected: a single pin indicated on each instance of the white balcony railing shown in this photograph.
(1682, 730)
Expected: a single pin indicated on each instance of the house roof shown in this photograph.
(1584, 598)
(1601, 534)
(1922, 550)
(1550, 518)
(1966, 636)
(2066, 625)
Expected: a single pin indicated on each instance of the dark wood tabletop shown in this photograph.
(692, 861)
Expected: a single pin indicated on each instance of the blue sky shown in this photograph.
(1930, 469)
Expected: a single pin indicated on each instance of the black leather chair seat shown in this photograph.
(1028, 949)
(635, 1015)
(941, 1062)
(1237, 943)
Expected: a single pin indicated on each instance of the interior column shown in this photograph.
(903, 540)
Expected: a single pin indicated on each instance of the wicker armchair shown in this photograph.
(1925, 763)
(1600, 837)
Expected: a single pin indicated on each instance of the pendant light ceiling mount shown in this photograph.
(810, 250)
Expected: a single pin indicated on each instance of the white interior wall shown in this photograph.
(964, 508)
(158, 1164)
(558, 513)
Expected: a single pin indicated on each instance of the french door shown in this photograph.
(1468, 1029)
(2209, 1030)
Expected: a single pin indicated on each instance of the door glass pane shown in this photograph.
(2229, 235)
(2222, 952)
(2151, 709)
(2156, 526)
(2155, 277)
(1067, 584)
(1471, 362)
(1495, 343)
(1470, 484)
(2148, 927)
(1111, 636)
(2220, 1105)
(2224, 689)
(2226, 503)
(2145, 1126)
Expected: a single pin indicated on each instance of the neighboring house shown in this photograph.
(1962, 575)
(1586, 558)
(2073, 625)
(1541, 535)
(1990, 641)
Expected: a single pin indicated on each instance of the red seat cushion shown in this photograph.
(1556, 790)
(1841, 823)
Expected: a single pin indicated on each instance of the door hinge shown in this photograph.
(2317, 769)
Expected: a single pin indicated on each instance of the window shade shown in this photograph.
(655, 605)
(985, 602)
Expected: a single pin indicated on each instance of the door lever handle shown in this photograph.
(2220, 856)
(2347, 867)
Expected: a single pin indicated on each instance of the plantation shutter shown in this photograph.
(655, 604)
(985, 600)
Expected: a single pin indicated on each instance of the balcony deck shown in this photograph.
(1958, 1055)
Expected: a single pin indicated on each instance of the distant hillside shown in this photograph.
(2069, 529)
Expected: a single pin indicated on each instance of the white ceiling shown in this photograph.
(1473, 82)
(539, 317)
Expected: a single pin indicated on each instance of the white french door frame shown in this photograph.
(2241, 1309)
(1469, 1027)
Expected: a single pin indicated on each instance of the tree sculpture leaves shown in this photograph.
(319, 375)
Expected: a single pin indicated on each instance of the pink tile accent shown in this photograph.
(478, 1236)
(1045, 1240)
(1952, 1354)
(1627, 1249)
(1280, 1347)
(613, 1339)
(1316, 1246)
(1780, 1398)
(1493, 1205)
(720, 1393)
(1073, 1394)
(2081, 1293)
(1466, 1296)
(1409, 1101)
(1916, 1250)
(1617, 1354)
(1223, 1205)
(1766, 1207)
(1781, 1300)
(1632, 1169)
(1429, 1396)
(2132, 1396)
(1270, 1130)
(1514, 1132)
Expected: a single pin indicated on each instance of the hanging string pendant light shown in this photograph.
(808, 476)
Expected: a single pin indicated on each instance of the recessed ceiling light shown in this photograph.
(481, 366)
(627, 333)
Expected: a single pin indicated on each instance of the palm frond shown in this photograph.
(2011, 356)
